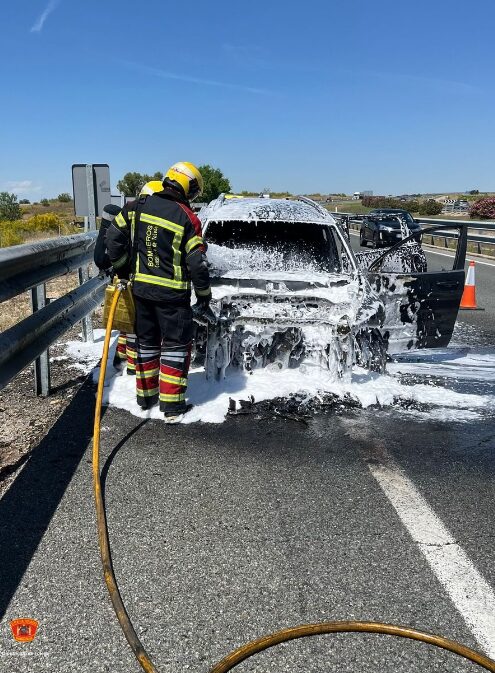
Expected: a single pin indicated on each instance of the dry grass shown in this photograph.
(64, 210)
(16, 309)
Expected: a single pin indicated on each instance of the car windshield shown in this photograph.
(397, 213)
(277, 246)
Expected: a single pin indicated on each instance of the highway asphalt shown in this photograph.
(223, 533)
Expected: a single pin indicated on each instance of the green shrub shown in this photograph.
(64, 197)
(390, 202)
(412, 206)
(45, 222)
(382, 202)
(430, 207)
(38, 226)
(11, 233)
(45, 202)
(9, 208)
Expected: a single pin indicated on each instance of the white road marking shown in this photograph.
(469, 591)
(446, 254)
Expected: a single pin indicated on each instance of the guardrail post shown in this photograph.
(87, 322)
(41, 364)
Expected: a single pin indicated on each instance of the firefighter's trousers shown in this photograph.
(126, 352)
(163, 353)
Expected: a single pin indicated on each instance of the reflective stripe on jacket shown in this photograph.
(168, 253)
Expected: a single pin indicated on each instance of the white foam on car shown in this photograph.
(211, 398)
(259, 210)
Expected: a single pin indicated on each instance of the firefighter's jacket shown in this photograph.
(168, 252)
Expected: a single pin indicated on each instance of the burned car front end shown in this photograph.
(286, 290)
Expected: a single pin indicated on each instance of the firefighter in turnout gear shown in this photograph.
(126, 347)
(157, 242)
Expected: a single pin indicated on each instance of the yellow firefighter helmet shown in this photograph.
(187, 176)
(151, 187)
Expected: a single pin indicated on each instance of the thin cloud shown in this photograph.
(21, 186)
(37, 27)
(164, 74)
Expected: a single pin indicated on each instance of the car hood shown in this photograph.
(248, 279)
(271, 297)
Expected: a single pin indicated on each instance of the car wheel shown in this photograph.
(362, 241)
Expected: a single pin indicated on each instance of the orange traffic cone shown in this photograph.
(468, 300)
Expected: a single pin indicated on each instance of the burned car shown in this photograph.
(289, 291)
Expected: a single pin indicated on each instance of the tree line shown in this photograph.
(215, 182)
(426, 207)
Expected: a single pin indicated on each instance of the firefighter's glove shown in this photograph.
(202, 312)
(203, 298)
(106, 273)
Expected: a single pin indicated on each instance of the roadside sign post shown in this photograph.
(91, 188)
(92, 205)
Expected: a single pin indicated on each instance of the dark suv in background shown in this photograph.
(381, 227)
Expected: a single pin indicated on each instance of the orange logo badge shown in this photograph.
(24, 630)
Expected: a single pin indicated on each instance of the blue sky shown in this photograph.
(320, 96)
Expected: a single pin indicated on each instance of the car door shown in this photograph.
(420, 307)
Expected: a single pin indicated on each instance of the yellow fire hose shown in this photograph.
(246, 651)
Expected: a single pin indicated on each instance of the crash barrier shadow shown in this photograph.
(28, 506)
(28, 267)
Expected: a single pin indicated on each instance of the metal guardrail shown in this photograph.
(22, 267)
(445, 235)
(471, 225)
(29, 267)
